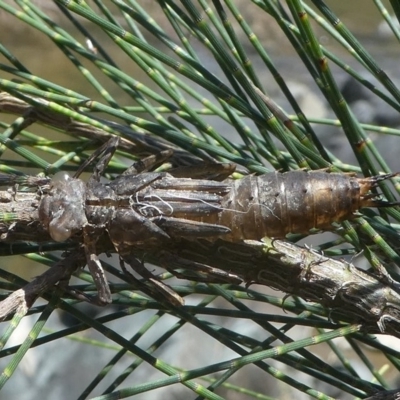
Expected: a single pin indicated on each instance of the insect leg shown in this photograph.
(148, 163)
(205, 170)
(130, 184)
(96, 270)
(128, 228)
(195, 185)
(107, 150)
(158, 290)
(196, 271)
(179, 227)
(202, 170)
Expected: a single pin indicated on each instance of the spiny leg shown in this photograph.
(148, 163)
(96, 270)
(136, 176)
(130, 184)
(195, 271)
(107, 150)
(180, 227)
(128, 228)
(205, 170)
(157, 289)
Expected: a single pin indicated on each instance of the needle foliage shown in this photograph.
(200, 77)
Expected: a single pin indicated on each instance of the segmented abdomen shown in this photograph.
(275, 204)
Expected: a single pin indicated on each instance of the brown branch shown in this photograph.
(386, 395)
(353, 295)
(138, 143)
(22, 299)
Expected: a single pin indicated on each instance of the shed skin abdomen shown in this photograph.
(275, 204)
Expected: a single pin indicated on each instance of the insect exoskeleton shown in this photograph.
(275, 204)
(62, 210)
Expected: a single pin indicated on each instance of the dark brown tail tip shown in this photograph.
(366, 184)
(379, 178)
(371, 200)
(383, 203)
(372, 181)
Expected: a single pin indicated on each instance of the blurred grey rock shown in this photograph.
(366, 105)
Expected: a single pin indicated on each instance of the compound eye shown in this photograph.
(59, 233)
(61, 176)
(60, 226)
(62, 210)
